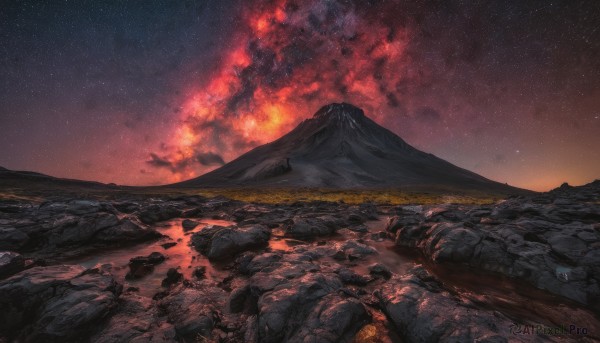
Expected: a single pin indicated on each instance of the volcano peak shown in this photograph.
(339, 111)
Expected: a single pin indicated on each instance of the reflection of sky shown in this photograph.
(181, 256)
(166, 91)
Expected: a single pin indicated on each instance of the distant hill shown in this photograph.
(340, 147)
(12, 178)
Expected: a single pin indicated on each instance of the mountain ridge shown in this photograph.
(341, 147)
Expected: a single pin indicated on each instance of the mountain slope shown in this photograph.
(339, 147)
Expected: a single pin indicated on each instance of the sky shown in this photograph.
(155, 92)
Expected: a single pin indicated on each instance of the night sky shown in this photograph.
(151, 92)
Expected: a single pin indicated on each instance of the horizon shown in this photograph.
(156, 94)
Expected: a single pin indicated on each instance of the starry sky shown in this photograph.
(154, 92)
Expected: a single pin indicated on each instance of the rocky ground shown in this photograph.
(192, 269)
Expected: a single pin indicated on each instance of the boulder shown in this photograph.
(12, 238)
(10, 263)
(55, 304)
(141, 266)
(219, 243)
(173, 277)
(423, 311)
(189, 224)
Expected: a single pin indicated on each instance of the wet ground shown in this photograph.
(181, 256)
(519, 301)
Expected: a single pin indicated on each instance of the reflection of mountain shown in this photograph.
(339, 147)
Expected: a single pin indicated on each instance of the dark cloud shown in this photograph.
(178, 165)
(209, 159)
(159, 162)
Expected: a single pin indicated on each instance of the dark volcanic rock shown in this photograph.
(138, 320)
(218, 243)
(189, 225)
(379, 269)
(173, 277)
(11, 238)
(192, 311)
(158, 212)
(55, 304)
(126, 231)
(546, 240)
(69, 228)
(200, 272)
(310, 311)
(421, 310)
(10, 263)
(168, 245)
(141, 266)
(348, 276)
(307, 227)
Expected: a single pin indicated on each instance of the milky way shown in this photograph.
(152, 93)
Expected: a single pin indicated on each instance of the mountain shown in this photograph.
(27, 179)
(340, 147)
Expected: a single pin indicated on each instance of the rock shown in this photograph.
(141, 266)
(168, 245)
(393, 224)
(339, 255)
(568, 247)
(350, 277)
(57, 303)
(359, 228)
(333, 319)
(137, 321)
(158, 212)
(379, 236)
(202, 240)
(353, 249)
(300, 227)
(10, 263)
(11, 238)
(524, 238)
(192, 311)
(369, 210)
(310, 311)
(189, 225)
(219, 243)
(85, 230)
(126, 206)
(199, 273)
(138, 271)
(451, 243)
(381, 270)
(173, 277)
(419, 307)
(126, 231)
(154, 258)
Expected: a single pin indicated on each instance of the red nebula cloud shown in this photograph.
(287, 59)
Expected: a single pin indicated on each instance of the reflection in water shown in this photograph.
(278, 241)
(180, 256)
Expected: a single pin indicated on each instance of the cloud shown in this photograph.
(159, 162)
(179, 165)
(209, 159)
